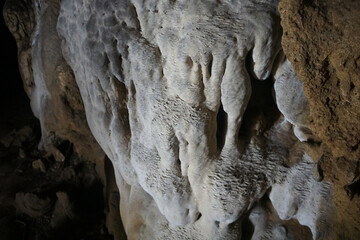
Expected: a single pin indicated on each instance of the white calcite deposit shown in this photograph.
(165, 86)
(180, 96)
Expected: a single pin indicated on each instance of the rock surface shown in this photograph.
(203, 117)
(32, 205)
(48, 80)
(321, 40)
(171, 92)
(49, 83)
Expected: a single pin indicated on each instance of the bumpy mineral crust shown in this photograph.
(198, 109)
(156, 78)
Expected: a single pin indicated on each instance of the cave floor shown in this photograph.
(41, 198)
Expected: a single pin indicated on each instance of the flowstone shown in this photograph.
(180, 95)
(166, 86)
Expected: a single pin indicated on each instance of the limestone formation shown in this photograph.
(194, 102)
(165, 86)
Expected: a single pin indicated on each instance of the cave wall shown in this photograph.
(48, 80)
(321, 40)
(55, 100)
(210, 132)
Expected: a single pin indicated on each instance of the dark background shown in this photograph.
(14, 103)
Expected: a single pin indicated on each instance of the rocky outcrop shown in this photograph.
(321, 40)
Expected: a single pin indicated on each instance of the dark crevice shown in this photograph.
(66, 148)
(122, 109)
(117, 61)
(355, 147)
(247, 228)
(189, 62)
(249, 64)
(198, 216)
(353, 189)
(261, 112)
(221, 121)
(135, 14)
(210, 64)
(132, 89)
(201, 77)
(352, 86)
(325, 72)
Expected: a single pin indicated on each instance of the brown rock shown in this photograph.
(16, 137)
(56, 153)
(63, 209)
(68, 173)
(60, 111)
(322, 41)
(39, 165)
(32, 205)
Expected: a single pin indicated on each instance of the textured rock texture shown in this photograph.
(321, 40)
(196, 105)
(173, 93)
